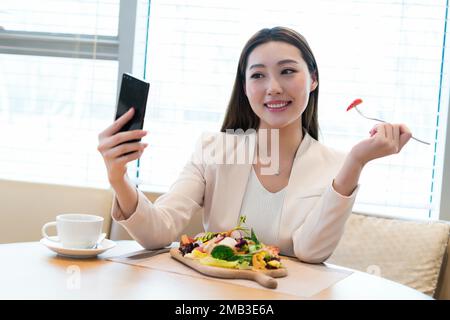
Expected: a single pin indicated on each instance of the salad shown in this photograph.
(238, 248)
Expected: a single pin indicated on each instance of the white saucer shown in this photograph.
(106, 244)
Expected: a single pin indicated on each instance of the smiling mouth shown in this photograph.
(276, 107)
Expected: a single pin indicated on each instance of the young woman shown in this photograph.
(302, 206)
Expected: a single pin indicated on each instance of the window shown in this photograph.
(60, 62)
(59, 67)
(391, 54)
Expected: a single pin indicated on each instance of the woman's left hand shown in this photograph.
(385, 139)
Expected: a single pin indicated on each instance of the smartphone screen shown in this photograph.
(133, 93)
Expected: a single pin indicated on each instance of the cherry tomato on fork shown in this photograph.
(354, 104)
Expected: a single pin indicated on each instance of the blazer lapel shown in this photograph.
(231, 180)
(295, 179)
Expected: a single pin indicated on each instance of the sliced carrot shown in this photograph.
(185, 240)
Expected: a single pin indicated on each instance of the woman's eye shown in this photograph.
(288, 71)
(256, 76)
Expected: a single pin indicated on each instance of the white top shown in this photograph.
(262, 209)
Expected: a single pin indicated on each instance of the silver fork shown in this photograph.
(379, 120)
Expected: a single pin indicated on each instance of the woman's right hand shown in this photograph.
(115, 154)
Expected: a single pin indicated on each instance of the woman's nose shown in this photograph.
(274, 87)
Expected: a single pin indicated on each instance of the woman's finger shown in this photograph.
(118, 124)
(129, 157)
(389, 131)
(121, 137)
(373, 131)
(381, 131)
(405, 135)
(396, 129)
(125, 148)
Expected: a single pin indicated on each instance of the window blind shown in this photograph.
(66, 16)
(53, 107)
(391, 54)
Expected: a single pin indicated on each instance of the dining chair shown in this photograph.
(410, 252)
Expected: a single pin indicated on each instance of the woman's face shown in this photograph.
(277, 84)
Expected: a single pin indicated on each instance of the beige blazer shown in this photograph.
(313, 215)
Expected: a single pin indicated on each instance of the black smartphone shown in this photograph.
(133, 93)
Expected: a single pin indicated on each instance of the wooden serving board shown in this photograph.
(264, 278)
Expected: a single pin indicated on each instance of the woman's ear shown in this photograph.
(314, 85)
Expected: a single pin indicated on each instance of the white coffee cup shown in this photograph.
(77, 231)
